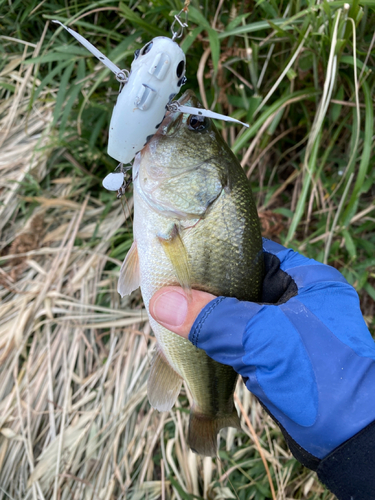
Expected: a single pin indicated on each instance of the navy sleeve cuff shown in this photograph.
(348, 471)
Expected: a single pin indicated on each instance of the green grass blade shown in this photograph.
(136, 20)
(215, 47)
(366, 155)
(198, 18)
(73, 94)
(301, 205)
(299, 95)
(258, 26)
(190, 38)
(50, 76)
(62, 91)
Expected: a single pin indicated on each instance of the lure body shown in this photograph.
(157, 73)
(156, 76)
(146, 93)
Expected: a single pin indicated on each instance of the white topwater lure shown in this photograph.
(146, 93)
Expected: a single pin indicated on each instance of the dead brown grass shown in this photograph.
(75, 422)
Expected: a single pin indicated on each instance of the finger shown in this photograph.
(170, 307)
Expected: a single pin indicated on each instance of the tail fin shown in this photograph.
(203, 430)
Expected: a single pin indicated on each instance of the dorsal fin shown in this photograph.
(175, 250)
(164, 384)
(129, 279)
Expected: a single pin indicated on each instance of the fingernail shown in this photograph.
(170, 308)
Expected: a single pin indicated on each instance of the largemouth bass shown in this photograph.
(195, 225)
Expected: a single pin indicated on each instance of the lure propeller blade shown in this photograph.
(94, 51)
(205, 112)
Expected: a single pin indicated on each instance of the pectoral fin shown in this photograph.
(164, 384)
(129, 279)
(175, 250)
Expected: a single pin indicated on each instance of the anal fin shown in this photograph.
(129, 279)
(164, 384)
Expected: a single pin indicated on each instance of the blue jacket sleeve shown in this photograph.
(310, 360)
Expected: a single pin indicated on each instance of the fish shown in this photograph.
(195, 225)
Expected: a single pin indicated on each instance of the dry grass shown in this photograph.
(75, 420)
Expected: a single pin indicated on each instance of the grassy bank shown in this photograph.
(75, 421)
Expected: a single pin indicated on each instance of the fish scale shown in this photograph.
(195, 225)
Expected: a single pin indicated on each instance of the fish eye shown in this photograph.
(198, 123)
(136, 54)
(146, 48)
(180, 69)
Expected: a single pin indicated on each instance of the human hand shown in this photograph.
(170, 307)
(305, 353)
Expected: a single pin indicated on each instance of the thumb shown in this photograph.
(170, 307)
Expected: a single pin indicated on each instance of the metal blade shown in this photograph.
(206, 112)
(94, 51)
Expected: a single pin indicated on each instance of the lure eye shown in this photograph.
(180, 69)
(136, 54)
(147, 48)
(198, 123)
